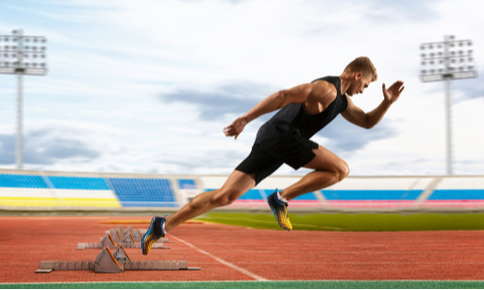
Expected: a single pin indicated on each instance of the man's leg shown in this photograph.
(235, 185)
(328, 170)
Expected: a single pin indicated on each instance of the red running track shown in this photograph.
(235, 253)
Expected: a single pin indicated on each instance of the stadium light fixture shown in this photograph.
(22, 55)
(448, 60)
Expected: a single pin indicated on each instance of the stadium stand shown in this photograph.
(187, 184)
(22, 181)
(138, 192)
(44, 190)
(464, 192)
(39, 189)
(67, 182)
(187, 189)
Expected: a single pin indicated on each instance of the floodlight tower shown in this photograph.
(445, 61)
(22, 55)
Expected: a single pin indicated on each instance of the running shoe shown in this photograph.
(279, 209)
(153, 233)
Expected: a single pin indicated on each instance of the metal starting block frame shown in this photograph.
(115, 261)
(127, 237)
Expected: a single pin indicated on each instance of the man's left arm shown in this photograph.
(357, 116)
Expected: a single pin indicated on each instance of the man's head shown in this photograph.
(359, 73)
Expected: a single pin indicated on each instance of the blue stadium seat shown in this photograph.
(143, 192)
(88, 183)
(25, 181)
(186, 184)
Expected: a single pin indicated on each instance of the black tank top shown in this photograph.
(292, 118)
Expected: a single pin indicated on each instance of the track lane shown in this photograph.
(270, 254)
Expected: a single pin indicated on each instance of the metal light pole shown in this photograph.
(22, 55)
(445, 61)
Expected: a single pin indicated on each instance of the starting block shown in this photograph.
(126, 237)
(114, 261)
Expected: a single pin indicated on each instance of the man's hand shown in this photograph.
(236, 127)
(393, 92)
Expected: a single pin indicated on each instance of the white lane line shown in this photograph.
(221, 261)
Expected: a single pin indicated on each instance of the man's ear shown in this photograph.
(358, 75)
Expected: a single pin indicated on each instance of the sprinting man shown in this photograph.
(285, 138)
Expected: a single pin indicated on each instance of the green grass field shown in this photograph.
(354, 221)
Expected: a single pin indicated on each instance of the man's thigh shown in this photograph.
(326, 160)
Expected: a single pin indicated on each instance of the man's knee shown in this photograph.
(225, 196)
(342, 170)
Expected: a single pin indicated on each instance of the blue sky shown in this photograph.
(147, 86)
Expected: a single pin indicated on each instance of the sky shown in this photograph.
(148, 86)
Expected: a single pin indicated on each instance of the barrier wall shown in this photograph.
(374, 193)
(39, 189)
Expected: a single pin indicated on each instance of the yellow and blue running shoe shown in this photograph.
(279, 209)
(154, 232)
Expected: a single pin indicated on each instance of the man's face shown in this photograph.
(359, 84)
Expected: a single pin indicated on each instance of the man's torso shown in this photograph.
(305, 119)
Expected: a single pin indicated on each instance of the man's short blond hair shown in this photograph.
(364, 65)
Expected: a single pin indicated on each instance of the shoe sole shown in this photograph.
(282, 218)
(284, 222)
(147, 244)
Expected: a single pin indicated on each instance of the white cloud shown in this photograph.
(111, 60)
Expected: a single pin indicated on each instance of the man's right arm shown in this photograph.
(297, 94)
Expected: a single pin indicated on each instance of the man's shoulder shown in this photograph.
(323, 88)
(330, 79)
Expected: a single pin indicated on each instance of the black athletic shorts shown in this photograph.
(267, 156)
